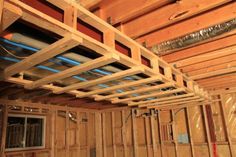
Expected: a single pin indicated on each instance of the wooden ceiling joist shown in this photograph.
(107, 59)
(171, 101)
(71, 38)
(212, 46)
(117, 12)
(160, 99)
(196, 23)
(206, 57)
(137, 91)
(170, 14)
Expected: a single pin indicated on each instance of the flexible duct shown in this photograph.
(194, 38)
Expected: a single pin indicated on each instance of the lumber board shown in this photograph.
(203, 107)
(160, 100)
(98, 132)
(215, 45)
(114, 76)
(149, 95)
(214, 73)
(170, 101)
(9, 14)
(118, 13)
(212, 68)
(208, 64)
(141, 90)
(177, 103)
(72, 38)
(101, 61)
(170, 14)
(131, 84)
(52, 50)
(206, 57)
(207, 19)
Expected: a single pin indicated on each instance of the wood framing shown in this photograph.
(142, 67)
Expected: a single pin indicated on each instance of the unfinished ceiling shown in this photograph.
(197, 37)
(208, 60)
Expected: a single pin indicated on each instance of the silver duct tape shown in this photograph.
(193, 38)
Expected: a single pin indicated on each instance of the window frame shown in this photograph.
(26, 116)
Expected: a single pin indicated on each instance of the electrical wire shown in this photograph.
(2, 47)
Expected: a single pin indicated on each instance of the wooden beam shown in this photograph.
(208, 64)
(149, 95)
(160, 100)
(217, 46)
(174, 133)
(126, 85)
(101, 61)
(154, 136)
(78, 134)
(212, 68)
(207, 130)
(104, 134)
(1, 10)
(124, 132)
(4, 130)
(189, 131)
(88, 4)
(214, 73)
(172, 105)
(228, 138)
(169, 14)
(70, 16)
(206, 57)
(52, 50)
(134, 130)
(113, 134)
(9, 14)
(98, 134)
(217, 78)
(223, 91)
(207, 19)
(129, 72)
(148, 135)
(170, 101)
(228, 84)
(122, 10)
(140, 90)
(160, 132)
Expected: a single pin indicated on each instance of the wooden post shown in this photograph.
(153, 131)
(148, 136)
(98, 134)
(174, 133)
(67, 136)
(124, 134)
(70, 16)
(4, 131)
(135, 142)
(53, 133)
(223, 114)
(207, 130)
(189, 131)
(160, 132)
(1, 9)
(78, 134)
(104, 134)
(113, 133)
(88, 135)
